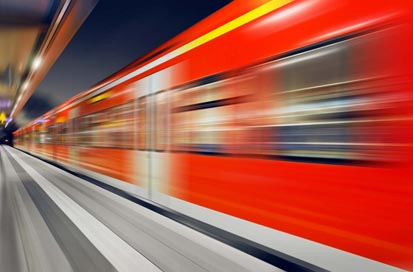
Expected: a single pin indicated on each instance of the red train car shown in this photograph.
(285, 122)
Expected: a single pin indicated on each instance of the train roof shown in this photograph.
(221, 18)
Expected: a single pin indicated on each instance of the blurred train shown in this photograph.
(292, 115)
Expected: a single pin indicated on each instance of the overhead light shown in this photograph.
(36, 63)
(25, 85)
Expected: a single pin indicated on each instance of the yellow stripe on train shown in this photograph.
(242, 20)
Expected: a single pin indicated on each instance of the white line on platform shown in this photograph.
(121, 255)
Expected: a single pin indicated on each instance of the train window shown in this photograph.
(97, 135)
(119, 126)
(311, 106)
(314, 106)
(85, 133)
(325, 107)
(203, 116)
(112, 127)
(57, 128)
(128, 117)
(64, 132)
(194, 117)
(103, 129)
(76, 130)
(61, 133)
(161, 121)
(142, 123)
(69, 133)
(319, 67)
(48, 135)
(180, 120)
(35, 135)
(245, 118)
(42, 133)
(72, 132)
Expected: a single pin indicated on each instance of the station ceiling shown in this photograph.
(33, 33)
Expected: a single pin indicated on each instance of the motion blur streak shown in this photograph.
(301, 123)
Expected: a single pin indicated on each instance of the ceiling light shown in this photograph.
(36, 63)
(25, 85)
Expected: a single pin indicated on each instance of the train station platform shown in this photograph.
(52, 220)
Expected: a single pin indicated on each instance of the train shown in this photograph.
(292, 117)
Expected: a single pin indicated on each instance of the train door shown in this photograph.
(73, 137)
(159, 160)
(159, 136)
(142, 136)
(42, 136)
(32, 138)
(152, 158)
